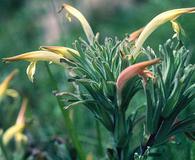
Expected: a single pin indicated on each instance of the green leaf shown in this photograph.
(185, 125)
(149, 110)
(128, 92)
(81, 102)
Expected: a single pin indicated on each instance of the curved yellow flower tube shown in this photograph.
(77, 14)
(157, 21)
(5, 84)
(33, 57)
(16, 130)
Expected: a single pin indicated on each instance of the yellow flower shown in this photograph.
(33, 57)
(133, 70)
(63, 51)
(77, 14)
(157, 21)
(16, 130)
(5, 84)
(89, 156)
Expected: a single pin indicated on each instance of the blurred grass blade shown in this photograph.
(69, 125)
(2, 147)
(99, 139)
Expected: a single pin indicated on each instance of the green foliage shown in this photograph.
(128, 130)
(96, 70)
(172, 93)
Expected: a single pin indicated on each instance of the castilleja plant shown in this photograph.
(108, 75)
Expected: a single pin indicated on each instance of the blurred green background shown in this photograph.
(26, 25)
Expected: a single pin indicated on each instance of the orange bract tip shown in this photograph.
(133, 70)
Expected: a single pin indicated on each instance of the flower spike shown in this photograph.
(157, 21)
(77, 14)
(133, 70)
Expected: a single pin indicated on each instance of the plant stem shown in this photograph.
(142, 149)
(148, 144)
(99, 139)
(3, 149)
(121, 136)
(69, 125)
